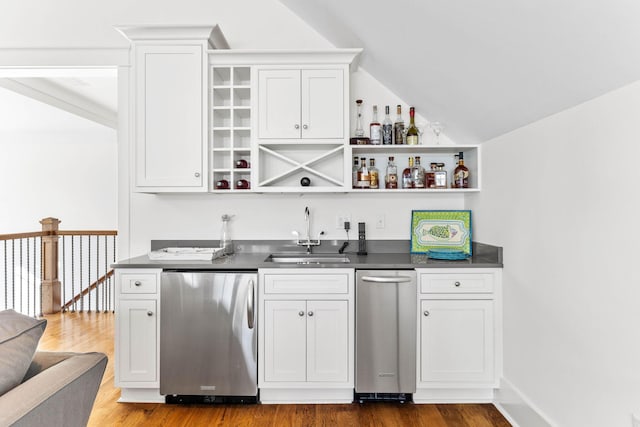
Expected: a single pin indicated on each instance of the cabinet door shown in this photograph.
(456, 340)
(328, 343)
(285, 340)
(138, 339)
(323, 104)
(170, 132)
(279, 104)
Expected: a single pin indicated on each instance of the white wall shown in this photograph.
(53, 163)
(561, 195)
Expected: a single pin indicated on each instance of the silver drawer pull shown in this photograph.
(426, 312)
(305, 127)
(391, 279)
(137, 283)
(149, 313)
(301, 313)
(310, 313)
(457, 284)
(297, 126)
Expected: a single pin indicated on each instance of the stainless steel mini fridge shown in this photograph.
(208, 343)
(385, 334)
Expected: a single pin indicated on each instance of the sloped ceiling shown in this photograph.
(484, 68)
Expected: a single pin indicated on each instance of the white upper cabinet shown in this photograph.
(171, 138)
(169, 105)
(301, 103)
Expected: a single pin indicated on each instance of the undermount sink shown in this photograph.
(307, 258)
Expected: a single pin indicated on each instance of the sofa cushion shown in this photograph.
(19, 336)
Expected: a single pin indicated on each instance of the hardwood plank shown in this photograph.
(84, 332)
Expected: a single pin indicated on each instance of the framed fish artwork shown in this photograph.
(441, 234)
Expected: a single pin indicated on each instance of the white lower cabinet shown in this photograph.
(306, 336)
(137, 335)
(459, 335)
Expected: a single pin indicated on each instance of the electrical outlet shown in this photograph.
(380, 221)
(341, 219)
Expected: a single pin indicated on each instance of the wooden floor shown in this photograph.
(94, 332)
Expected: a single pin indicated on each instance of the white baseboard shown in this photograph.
(517, 409)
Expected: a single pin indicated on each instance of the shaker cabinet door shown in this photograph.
(323, 101)
(170, 120)
(138, 341)
(328, 341)
(285, 340)
(279, 104)
(456, 341)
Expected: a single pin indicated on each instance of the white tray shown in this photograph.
(186, 253)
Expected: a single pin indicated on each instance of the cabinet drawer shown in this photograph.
(456, 283)
(306, 284)
(139, 283)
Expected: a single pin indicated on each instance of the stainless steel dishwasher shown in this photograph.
(385, 334)
(208, 342)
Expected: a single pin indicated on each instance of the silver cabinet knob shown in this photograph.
(426, 312)
(297, 126)
(457, 284)
(305, 127)
(301, 313)
(197, 174)
(149, 313)
(137, 283)
(310, 313)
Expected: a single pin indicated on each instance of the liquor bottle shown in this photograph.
(375, 130)
(387, 128)
(354, 172)
(373, 174)
(398, 127)
(412, 130)
(417, 174)
(391, 178)
(359, 131)
(430, 176)
(407, 177)
(461, 174)
(364, 179)
(440, 176)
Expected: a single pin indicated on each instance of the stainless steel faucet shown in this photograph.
(308, 243)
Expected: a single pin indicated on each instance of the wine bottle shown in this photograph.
(461, 174)
(387, 128)
(412, 130)
(398, 127)
(391, 178)
(375, 130)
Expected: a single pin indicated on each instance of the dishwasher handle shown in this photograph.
(387, 279)
(251, 312)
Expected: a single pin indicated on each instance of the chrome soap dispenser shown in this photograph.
(225, 237)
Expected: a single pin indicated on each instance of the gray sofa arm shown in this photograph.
(59, 390)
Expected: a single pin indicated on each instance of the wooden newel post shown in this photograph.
(51, 287)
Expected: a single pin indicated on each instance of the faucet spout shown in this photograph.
(308, 242)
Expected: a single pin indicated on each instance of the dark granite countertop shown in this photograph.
(252, 255)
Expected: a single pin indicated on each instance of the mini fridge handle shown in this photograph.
(251, 313)
(391, 279)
